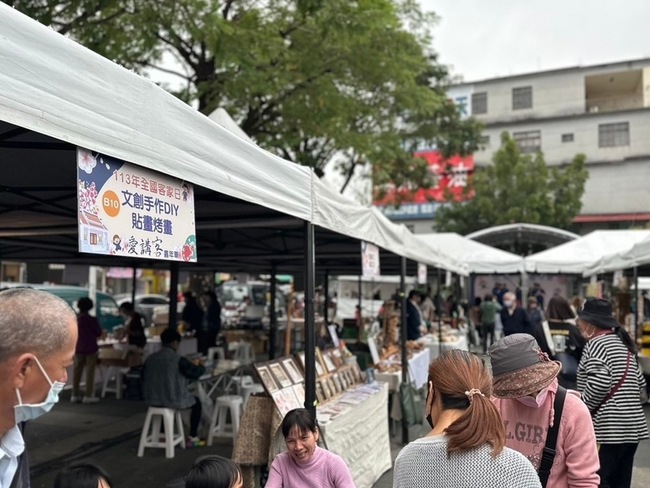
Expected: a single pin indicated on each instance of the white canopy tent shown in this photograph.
(479, 258)
(575, 257)
(637, 254)
(53, 86)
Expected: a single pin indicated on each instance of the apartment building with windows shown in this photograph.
(602, 111)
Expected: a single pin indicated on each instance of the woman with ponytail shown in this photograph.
(465, 448)
(611, 383)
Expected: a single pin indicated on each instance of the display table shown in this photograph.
(430, 341)
(187, 346)
(360, 436)
(418, 372)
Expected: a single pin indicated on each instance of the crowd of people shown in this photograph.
(568, 417)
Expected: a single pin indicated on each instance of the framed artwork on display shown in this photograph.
(280, 374)
(332, 385)
(286, 400)
(299, 390)
(335, 354)
(319, 366)
(327, 362)
(325, 386)
(267, 378)
(336, 378)
(293, 371)
(345, 383)
(319, 393)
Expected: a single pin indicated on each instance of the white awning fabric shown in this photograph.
(580, 255)
(479, 258)
(637, 254)
(51, 85)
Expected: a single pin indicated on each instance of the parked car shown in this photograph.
(144, 304)
(106, 308)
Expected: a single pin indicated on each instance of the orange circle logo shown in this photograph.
(111, 203)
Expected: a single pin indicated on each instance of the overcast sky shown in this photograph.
(490, 38)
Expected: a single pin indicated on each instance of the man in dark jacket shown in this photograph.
(413, 316)
(514, 318)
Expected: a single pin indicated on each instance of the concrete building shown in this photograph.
(602, 111)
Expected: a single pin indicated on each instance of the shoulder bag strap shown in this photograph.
(613, 391)
(551, 438)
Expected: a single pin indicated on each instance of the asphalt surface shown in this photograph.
(107, 433)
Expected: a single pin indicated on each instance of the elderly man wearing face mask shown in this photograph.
(38, 333)
(515, 320)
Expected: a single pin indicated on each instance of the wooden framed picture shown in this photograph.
(332, 386)
(325, 386)
(267, 378)
(345, 382)
(327, 362)
(285, 400)
(292, 369)
(320, 396)
(335, 354)
(299, 390)
(338, 384)
(280, 374)
(319, 365)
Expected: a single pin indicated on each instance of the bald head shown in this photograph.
(33, 321)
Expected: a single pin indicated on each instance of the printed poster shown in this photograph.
(369, 260)
(127, 210)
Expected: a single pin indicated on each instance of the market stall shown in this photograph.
(451, 339)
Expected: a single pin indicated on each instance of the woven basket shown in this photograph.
(252, 442)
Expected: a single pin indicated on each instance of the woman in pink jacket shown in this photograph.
(304, 464)
(525, 387)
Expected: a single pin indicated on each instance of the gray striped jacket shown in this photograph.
(620, 419)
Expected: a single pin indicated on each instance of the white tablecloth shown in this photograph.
(431, 343)
(360, 437)
(418, 371)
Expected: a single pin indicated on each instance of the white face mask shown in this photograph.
(24, 412)
(508, 303)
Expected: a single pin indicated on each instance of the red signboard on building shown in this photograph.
(451, 178)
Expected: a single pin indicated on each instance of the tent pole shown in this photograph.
(133, 285)
(439, 313)
(273, 318)
(310, 332)
(173, 295)
(326, 293)
(405, 364)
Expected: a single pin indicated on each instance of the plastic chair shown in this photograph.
(217, 351)
(244, 353)
(219, 426)
(171, 422)
(249, 390)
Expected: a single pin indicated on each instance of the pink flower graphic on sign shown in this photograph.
(87, 161)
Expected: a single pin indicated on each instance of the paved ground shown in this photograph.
(107, 433)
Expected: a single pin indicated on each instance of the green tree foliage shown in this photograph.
(518, 188)
(307, 79)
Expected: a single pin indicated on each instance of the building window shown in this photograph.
(612, 135)
(522, 97)
(479, 103)
(567, 137)
(529, 142)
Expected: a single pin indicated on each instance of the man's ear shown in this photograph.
(20, 368)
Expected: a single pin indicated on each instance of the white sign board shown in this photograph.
(369, 260)
(127, 210)
(422, 274)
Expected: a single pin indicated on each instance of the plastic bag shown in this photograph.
(412, 404)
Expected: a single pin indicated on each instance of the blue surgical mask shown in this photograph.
(24, 412)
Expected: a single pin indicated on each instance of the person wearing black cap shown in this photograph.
(611, 383)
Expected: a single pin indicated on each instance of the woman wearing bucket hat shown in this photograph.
(611, 382)
(465, 449)
(525, 390)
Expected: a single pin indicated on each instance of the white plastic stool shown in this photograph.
(217, 351)
(248, 390)
(118, 373)
(240, 381)
(244, 353)
(171, 421)
(219, 427)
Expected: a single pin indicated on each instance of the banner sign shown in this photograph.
(369, 260)
(422, 274)
(127, 210)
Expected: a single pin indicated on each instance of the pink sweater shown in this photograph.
(325, 470)
(576, 457)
